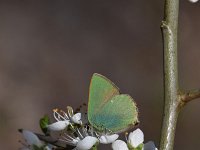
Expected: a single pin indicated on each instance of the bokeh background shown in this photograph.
(50, 49)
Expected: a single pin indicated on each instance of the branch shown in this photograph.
(171, 106)
(188, 96)
(174, 100)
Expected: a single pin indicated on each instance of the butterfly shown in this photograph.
(107, 108)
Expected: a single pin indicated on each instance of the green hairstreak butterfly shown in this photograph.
(107, 108)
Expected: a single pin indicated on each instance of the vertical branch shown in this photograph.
(171, 105)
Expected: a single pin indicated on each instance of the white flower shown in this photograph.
(58, 126)
(83, 136)
(107, 139)
(83, 139)
(136, 138)
(31, 138)
(193, 1)
(64, 119)
(119, 145)
(77, 118)
(86, 143)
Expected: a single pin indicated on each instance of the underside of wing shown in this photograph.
(119, 114)
(100, 92)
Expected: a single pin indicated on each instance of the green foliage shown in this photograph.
(44, 122)
(35, 147)
(137, 148)
(94, 147)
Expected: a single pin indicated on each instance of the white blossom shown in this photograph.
(107, 139)
(64, 119)
(86, 143)
(136, 138)
(58, 126)
(81, 136)
(77, 118)
(31, 138)
(119, 145)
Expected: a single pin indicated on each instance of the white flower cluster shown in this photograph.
(135, 141)
(82, 136)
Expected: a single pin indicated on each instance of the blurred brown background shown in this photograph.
(50, 49)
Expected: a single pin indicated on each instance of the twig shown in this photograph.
(188, 96)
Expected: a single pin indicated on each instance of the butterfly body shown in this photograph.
(107, 108)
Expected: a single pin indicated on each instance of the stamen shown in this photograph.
(55, 110)
(66, 138)
(79, 133)
(91, 129)
(97, 134)
(65, 115)
(54, 115)
(69, 136)
(85, 131)
(70, 111)
(62, 140)
(126, 134)
(59, 117)
(72, 127)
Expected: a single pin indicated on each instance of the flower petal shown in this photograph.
(86, 143)
(107, 139)
(58, 126)
(75, 141)
(149, 146)
(31, 138)
(136, 138)
(77, 118)
(119, 145)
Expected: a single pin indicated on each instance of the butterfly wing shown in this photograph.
(100, 92)
(119, 114)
